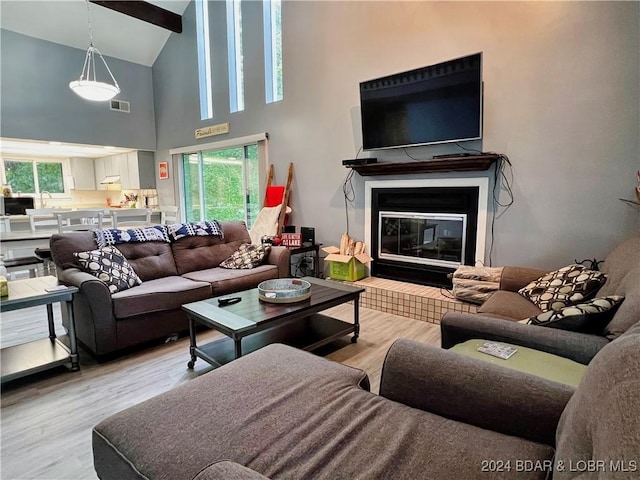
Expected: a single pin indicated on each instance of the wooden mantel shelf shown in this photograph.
(471, 163)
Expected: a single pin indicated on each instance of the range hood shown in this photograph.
(110, 179)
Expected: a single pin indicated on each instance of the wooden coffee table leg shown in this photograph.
(192, 344)
(237, 344)
(356, 319)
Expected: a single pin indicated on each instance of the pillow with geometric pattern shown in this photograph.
(564, 287)
(588, 317)
(110, 266)
(247, 256)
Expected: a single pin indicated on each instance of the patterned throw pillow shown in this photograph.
(247, 256)
(110, 266)
(588, 317)
(564, 287)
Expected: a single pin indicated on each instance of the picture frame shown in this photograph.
(163, 170)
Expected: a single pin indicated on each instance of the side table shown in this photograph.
(315, 249)
(22, 360)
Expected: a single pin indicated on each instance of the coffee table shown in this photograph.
(252, 323)
(35, 356)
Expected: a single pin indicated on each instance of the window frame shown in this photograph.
(66, 173)
(235, 55)
(272, 48)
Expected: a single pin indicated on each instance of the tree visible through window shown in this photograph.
(222, 184)
(29, 176)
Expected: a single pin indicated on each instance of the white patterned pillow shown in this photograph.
(110, 266)
(247, 256)
(564, 287)
(587, 317)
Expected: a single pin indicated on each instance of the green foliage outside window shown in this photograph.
(21, 175)
(222, 176)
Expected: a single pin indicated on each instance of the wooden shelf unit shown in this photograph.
(470, 163)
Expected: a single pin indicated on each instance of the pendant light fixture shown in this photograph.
(87, 86)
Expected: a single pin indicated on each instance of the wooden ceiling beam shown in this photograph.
(146, 12)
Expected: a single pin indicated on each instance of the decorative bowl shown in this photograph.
(284, 290)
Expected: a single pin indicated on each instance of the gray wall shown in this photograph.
(561, 100)
(37, 103)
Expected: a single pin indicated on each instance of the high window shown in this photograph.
(223, 183)
(27, 176)
(204, 59)
(273, 50)
(234, 45)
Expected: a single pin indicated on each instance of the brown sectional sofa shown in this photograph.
(497, 319)
(172, 274)
(282, 413)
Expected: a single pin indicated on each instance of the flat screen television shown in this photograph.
(435, 104)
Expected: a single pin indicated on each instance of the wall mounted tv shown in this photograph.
(436, 104)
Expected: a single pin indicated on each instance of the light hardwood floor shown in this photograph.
(46, 420)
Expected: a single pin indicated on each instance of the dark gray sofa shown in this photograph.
(172, 274)
(287, 414)
(497, 319)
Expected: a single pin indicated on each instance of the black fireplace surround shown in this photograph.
(433, 200)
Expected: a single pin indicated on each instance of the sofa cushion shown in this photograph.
(509, 305)
(300, 417)
(202, 252)
(566, 286)
(150, 260)
(225, 281)
(527, 360)
(165, 293)
(110, 266)
(587, 317)
(247, 256)
(623, 278)
(601, 421)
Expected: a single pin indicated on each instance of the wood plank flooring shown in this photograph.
(46, 420)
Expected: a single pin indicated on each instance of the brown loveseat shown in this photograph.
(497, 319)
(287, 414)
(172, 274)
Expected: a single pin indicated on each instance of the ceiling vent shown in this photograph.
(120, 106)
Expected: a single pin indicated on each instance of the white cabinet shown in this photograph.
(83, 173)
(140, 171)
(135, 169)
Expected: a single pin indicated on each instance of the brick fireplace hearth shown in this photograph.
(418, 302)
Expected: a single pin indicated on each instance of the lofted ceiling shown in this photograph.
(65, 22)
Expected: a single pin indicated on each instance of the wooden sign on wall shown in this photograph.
(218, 129)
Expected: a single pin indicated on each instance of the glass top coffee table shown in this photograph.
(252, 323)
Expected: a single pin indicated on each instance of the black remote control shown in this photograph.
(224, 301)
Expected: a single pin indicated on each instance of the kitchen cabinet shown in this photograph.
(135, 169)
(138, 171)
(83, 173)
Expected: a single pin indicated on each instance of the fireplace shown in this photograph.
(420, 231)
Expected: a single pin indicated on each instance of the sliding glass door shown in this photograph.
(222, 184)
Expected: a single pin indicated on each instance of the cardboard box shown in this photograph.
(346, 267)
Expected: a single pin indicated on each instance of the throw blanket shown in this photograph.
(194, 229)
(113, 236)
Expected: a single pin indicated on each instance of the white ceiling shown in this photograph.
(39, 149)
(65, 22)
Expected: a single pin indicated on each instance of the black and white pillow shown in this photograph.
(564, 287)
(587, 317)
(110, 266)
(247, 256)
